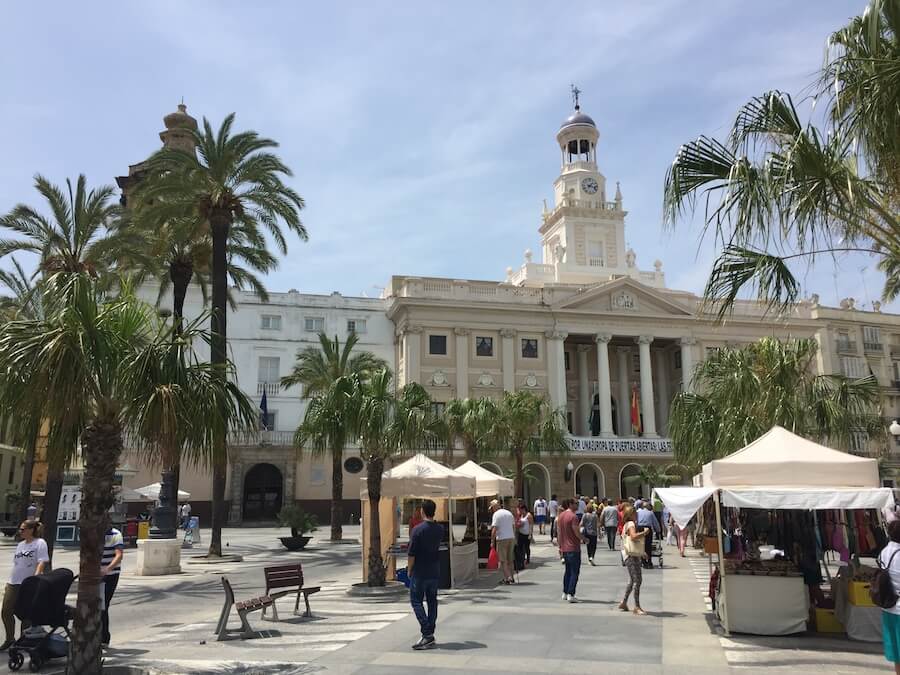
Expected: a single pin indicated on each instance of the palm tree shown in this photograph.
(526, 424)
(80, 235)
(747, 391)
(327, 377)
(176, 402)
(384, 423)
(231, 180)
(470, 422)
(780, 184)
(73, 364)
(653, 476)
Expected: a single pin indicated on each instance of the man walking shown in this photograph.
(570, 540)
(110, 567)
(610, 518)
(503, 539)
(185, 515)
(540, 513)
(552, 513)
(424, 573)
(647, 519)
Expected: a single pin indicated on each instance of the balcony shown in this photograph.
(256, 438)
(846, 347)
(658, 447)
(268, 388)
(873, 346)
(895, 351)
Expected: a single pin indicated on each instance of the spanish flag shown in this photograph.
(635, 411)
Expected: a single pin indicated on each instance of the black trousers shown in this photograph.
(111, 582)
(648, 547)
(591, 545)
(611, 537)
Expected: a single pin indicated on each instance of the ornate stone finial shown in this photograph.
(657, 265)
(618, 194)
(630, 257)
(876, 306)
(814, 300)
(851, 302)
(546, 210)
(509, 273)
(528, 255)
(845, 303)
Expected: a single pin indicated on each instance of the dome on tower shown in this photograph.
(180, 119)
(578, 118)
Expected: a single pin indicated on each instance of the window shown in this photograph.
(678, 360)
(595, 254)
(271, 322)
(566, 360)
(853, 367)
(437, 408)
(636, 363)
(268, 420)
(484, 346)
(858, 441)
(712, 352)
(437, 345)
(569, 421)
(872, 338)
(12, 470)
(269, 367)
(314, 324)
(895, 372)
(357, 326)
(529, 348)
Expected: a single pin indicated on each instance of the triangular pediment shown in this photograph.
(625, 296)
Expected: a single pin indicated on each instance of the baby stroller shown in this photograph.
(42, 602)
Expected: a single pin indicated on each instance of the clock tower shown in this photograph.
(583, 235)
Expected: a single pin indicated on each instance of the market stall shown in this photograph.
(772, 509)
(422, 478)
(487, 484)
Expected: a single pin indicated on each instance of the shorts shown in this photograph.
(890, 632)
(505, 549)
(540, 520)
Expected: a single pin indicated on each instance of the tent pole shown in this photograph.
(450, 528)
(721, 599)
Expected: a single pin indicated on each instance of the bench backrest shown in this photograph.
(229, 593)
(283, 576)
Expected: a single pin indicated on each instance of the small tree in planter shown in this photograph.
(300, 522)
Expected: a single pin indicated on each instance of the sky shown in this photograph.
(421, 135)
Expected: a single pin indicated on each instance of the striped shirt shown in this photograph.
(112, 541)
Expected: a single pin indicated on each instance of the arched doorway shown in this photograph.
(632, 487)
(590, 481)
(263, 492)
(537, 482)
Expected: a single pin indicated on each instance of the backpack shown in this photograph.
(882, 589)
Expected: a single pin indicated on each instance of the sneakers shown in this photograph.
(565, 597)
(425, 643)
(572, 598)
(591, 560)
(623, 607)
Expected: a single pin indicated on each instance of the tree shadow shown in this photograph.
(461, 646)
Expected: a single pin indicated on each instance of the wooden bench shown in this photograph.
(244, 607)
(289, 578)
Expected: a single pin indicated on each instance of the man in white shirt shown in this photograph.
(540, 513)
(552, 513)
(503, 539)
(185, 515)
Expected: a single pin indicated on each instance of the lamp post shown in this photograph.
(571, 467)
(895, 428)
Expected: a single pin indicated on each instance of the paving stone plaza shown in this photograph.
(165, 624)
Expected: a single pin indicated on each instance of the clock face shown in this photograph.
(589, 185)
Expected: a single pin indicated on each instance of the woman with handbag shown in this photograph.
(889, 561)
(632, 553)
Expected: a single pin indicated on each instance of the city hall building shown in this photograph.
(581, 323)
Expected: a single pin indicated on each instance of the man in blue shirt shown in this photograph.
(424, 573)
(647, 519)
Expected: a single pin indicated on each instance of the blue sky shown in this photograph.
(421, 134)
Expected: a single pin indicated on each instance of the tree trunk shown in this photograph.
(376, 561)
(520, 473)
(52, 492)
(101, 444)
(337, 493)
(220, 224)
(27, 471)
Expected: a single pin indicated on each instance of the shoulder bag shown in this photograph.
(882, 590)
(632, 547)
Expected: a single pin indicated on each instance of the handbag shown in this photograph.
(882, 590)
(632, 547)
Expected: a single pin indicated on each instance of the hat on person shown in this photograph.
(494, 502)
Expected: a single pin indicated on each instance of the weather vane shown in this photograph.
(575, 93)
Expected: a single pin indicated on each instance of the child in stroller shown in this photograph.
(42, 602)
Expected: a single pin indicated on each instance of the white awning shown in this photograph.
(420, 477)
(683, 502)
(151, 492)
(807, 498)
(487, 483)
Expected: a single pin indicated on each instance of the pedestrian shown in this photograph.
(633, 553)
(647, 519)
(524, 533)
(890, 617)
(424, 573)
(185, 515)
(552, 514)
(415, 519)
(503, 538)
(567, 530)
(620, 507)
(540, 513)
(610, 517)
(589, 527)
(29, 559)
(580, 508)
(110, 567)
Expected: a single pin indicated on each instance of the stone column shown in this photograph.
(508, 351)
(584, 393)
(462, 362)
(624, 355)
(603, 385)
(687, 362)
(556, 368)
(662, 382)
(649, 416)
(412, 345)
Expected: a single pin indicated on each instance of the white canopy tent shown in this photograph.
(487, 483)
(151, 493)
(420, 477)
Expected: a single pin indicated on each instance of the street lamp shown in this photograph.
(895, 428)
(571, 467)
